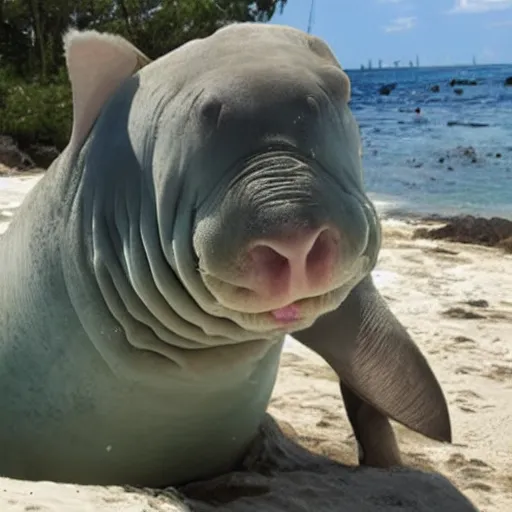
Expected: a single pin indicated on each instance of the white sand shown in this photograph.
(471, 357)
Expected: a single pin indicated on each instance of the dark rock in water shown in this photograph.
(42, 155)
(508, 81)
(435, 88)
(465, 153)
(462, 81)
(470, 124)
(450, 168)
(467, 229)
(11, 156)
(468, 151)
(458, 91)
(498, 155)
(441, 160)
(385, 90)
(412, 162)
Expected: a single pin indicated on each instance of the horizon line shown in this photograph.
(460, 65)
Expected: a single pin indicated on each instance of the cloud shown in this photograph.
(469, 6)
(401, 24)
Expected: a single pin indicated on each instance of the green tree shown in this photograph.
(35, 97)
(31, 30)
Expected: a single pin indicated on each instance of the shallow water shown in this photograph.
(415, 166)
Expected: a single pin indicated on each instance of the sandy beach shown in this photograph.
(456, 301)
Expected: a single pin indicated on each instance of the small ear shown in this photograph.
(377, 360)
(97, 65)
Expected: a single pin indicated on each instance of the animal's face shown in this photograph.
(284, 244)
(282, 230)
(253, 159)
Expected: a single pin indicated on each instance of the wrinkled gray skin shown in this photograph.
(130, 350)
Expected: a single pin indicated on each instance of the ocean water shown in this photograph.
(429, 167)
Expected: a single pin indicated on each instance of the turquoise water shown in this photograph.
(421, 167)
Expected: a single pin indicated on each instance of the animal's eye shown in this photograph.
(210, 110)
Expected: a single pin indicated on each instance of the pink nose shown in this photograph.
(295, 266)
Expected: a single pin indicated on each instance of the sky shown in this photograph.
(440, 32)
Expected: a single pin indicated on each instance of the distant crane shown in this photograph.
(311, 16)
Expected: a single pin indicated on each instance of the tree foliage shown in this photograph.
(32, 60)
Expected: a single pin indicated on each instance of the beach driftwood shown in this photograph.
(386, 90)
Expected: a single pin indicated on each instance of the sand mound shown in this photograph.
(276, 476)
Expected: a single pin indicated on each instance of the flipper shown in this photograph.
(382, 374)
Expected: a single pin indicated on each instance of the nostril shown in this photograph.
(293, 265)
(269, 262)
(320, 254)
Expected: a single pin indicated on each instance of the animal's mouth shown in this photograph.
(272, 313)
(280, 317)
(281, 308)
(287, 315)
(295, 316)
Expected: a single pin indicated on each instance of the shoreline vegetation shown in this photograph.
(35, 94)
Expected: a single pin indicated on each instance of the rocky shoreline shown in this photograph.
(493, 232)
(468, 229)
(34, 158)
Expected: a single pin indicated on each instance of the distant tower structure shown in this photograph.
(417, 61)
(474, 60)
(362, 67)
(369, 63)
(311, 16)
(380, 63)
(396, 63)
(411, 65)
